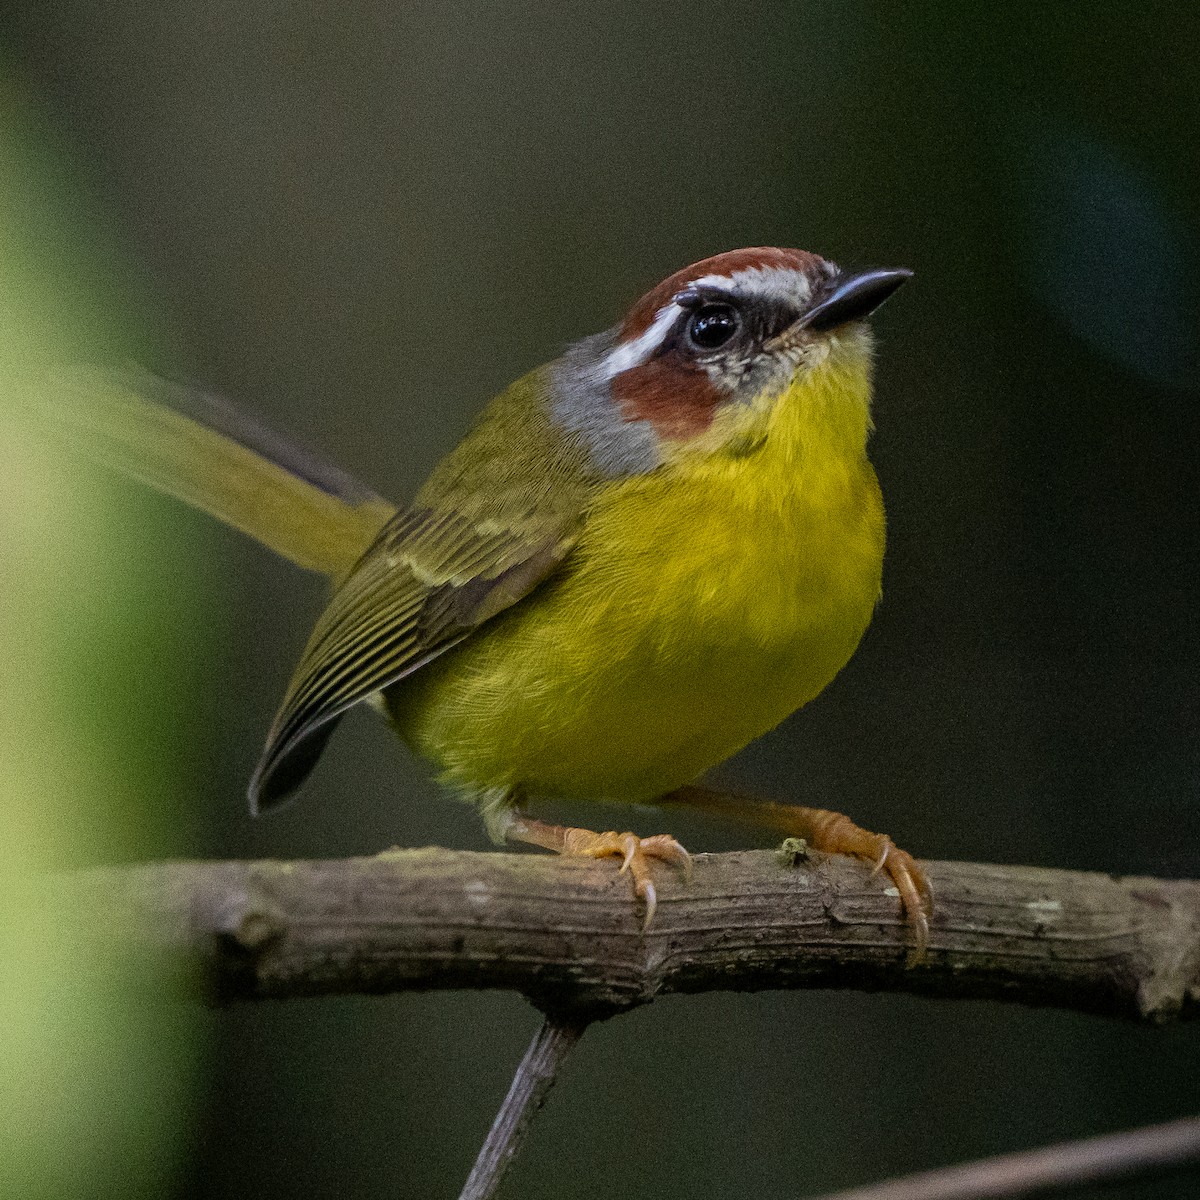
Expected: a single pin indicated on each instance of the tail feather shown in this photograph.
(198, 448)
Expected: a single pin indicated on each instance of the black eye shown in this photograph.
(712, 325)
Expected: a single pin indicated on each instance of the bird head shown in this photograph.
(702, 362)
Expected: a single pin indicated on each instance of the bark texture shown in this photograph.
(567, 933)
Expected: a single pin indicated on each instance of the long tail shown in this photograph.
(199, 449)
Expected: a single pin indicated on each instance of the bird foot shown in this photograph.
(832, 833)
(835, 833)
(634, 852)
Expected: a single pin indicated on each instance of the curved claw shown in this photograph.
(666, 849)
(916, 899)
(630, 845)
(883, 857)
(649, 895)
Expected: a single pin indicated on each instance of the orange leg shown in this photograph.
(635, 852)
(831, 833)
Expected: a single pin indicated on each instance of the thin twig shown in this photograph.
(568, 933)
(533, 1080)
(1051, 1170)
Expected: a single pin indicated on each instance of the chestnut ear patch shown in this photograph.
(677, 400)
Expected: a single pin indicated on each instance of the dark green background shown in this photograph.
(361, 220)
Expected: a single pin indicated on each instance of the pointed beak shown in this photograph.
(850, 297)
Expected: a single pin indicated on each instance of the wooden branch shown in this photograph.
(1052, 1170)
(568, 935)
(533, 1080)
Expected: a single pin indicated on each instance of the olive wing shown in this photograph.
(428, 580)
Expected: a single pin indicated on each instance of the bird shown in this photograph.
(643, 555)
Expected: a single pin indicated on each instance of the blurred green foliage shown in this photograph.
(95, 1079)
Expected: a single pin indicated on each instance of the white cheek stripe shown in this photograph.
(633, 354)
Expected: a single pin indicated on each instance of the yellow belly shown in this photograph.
(695, 614)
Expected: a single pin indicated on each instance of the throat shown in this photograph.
(810, 434)
(822, 421)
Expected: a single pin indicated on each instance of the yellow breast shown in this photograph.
(704, 603)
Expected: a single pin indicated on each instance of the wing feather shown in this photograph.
(421, 587)
(497, 517)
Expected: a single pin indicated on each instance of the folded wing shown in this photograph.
(428, 580)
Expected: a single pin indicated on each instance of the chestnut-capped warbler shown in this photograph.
(643, 555)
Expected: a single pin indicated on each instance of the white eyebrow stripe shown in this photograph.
(633, 354)
(773, 283)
